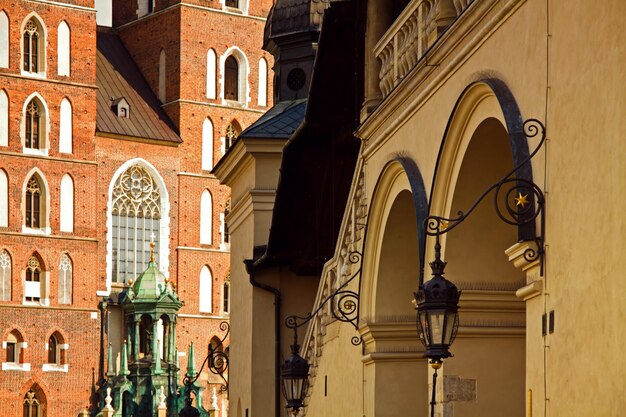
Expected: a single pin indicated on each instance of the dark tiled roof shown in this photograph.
(289, 16)
(278, 122)
(118, 77)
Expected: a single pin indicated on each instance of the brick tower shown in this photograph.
(112, 116)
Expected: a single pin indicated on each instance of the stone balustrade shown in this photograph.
(411, 34)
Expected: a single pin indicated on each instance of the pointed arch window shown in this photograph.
(136, 220)
(4, 118)
(33, 203)
(4, 199)
(231, 79)
(211, 60)
(34, 124)
(5, 276)
(207, 144)
(206, 290)
(65, 280)
(262, 95)
(63, 49)
(232, 132)
(33, 43)
(32, 290)
(53, 350)
(4, 40)
(206, 218)
(66, 223)
(32, 404)
(226, 295)
(65, 127)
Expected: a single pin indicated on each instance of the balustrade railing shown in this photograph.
(410, 35)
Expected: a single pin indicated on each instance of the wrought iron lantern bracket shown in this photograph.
(524, 201)
(344, 304)
(216, 362)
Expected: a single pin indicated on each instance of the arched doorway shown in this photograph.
(486, 377)
(394, 367)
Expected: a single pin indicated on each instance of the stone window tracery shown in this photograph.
(136, 210)
(5, 276)
(32, 292)
(231, 135)
(65, 280)
(34, 114)
(32, 405)
(33, 203)
(32, 45)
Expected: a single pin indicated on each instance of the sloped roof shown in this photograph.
(278, 122)
(117, 76)
(290, 16)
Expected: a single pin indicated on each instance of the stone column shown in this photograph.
(378, 21)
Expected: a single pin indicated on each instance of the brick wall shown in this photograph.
(185, 33)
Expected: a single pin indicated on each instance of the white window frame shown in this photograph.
(243, 83)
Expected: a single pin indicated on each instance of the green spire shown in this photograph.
(110, 370)
(191, 370)
(124, 365)
(157, 359)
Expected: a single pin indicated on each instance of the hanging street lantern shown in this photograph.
(295, 379)
(437, 311)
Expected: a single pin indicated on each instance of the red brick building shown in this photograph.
(112, 116)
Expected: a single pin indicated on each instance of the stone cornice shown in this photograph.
(471, 29)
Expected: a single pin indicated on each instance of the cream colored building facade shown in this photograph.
(447, 87)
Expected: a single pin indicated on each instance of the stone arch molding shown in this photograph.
(482, 100)
(244, 72)
(164, 234)
(399, 175)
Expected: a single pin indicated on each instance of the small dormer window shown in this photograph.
(121, 108)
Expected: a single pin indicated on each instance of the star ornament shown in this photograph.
(521, 200)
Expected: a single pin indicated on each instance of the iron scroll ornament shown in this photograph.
(344, 305)
(517, 201)
(216, 360)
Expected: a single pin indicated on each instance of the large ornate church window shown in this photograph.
(136, 215)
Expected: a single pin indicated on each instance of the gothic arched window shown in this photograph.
(33, 203)
(34, 125)
(5, 276)
(32, 405)
(232, 131)
(32, 290)
(33, 42)
(65, 280)
(53, 345)
(231, 76)
(136, 215)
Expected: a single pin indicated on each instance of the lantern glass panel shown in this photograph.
(437, 326)
(450, 320)
(424, 333)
